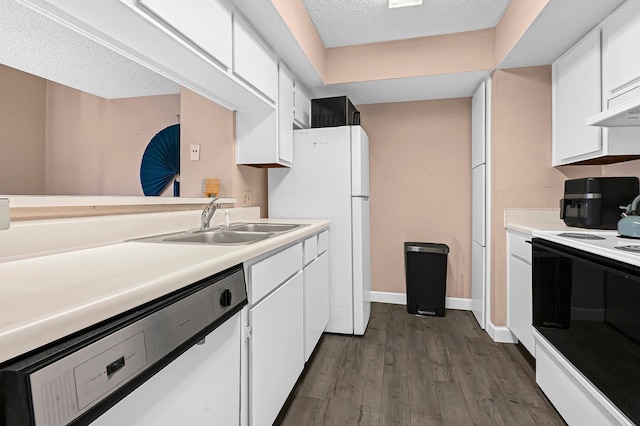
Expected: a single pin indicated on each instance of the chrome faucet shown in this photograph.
(208, 212)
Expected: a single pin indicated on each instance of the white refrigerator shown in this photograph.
(330, 180)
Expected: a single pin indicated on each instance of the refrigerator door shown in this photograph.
(318, 186)
(361, 264)
(359, 162)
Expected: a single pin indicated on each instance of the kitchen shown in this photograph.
(520, 156)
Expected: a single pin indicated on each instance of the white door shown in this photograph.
(478, 204)
(276, 356)
(479, 112)
(478, 262)
(478, 125)
(361, 247)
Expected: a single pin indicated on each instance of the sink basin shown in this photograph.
(264, 227)
(220, 237)
(238, 233)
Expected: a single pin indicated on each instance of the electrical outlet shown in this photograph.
(195, 152)
(246, 198)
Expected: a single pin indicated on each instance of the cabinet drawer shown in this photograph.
(267, 274)
(519, 247)
(323, 241)
(310, 247)
(253, 63)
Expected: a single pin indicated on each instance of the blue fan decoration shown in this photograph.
(161, 162)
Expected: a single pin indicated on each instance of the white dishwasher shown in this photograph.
(173, 361)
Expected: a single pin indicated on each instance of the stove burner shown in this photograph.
(632, 249)
(580, 236)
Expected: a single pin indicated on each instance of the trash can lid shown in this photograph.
(426, 247)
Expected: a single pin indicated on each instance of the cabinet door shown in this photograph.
(302, 107)
(620, 36)
(207, 23)
(316, 302)
(576, 96)
(478, 204)
(285, 115)
(478, 126)
(252, 62)
(478, 265)
(520, 299)
(276, 356)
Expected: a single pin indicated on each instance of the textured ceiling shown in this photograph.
(562, 23)
(35, 44)
(344, 23)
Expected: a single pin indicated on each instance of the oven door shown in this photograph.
(588, 307)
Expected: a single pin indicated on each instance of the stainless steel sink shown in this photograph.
(220, 237)
(238, 233)
(264, 227)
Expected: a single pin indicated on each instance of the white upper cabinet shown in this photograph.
(576, 96)
(207, 23)
(264, 137)
(252, 62)
(302, 107)
(621, 62)
(285, 115)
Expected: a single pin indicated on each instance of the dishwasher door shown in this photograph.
(200, 387)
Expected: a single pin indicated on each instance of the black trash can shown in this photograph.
(426, 277)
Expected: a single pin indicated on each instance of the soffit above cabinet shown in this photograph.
(560, 25)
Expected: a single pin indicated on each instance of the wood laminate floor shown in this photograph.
(410, 370)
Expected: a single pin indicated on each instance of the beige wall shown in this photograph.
(22, 120)
(628, 168)
(94, 146)
(420, 171)
(212, 126)
(521, 172)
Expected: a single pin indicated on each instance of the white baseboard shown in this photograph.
(500, 333)
(401, 299)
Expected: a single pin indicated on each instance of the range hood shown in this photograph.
(625, 114)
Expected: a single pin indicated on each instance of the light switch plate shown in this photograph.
(195, 152)
(4, 214)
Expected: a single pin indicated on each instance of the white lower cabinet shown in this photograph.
(288, 292)
(276, 356)
(316, 302)
(519, 289)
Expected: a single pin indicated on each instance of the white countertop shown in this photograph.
(46, 298)
(529, 220)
